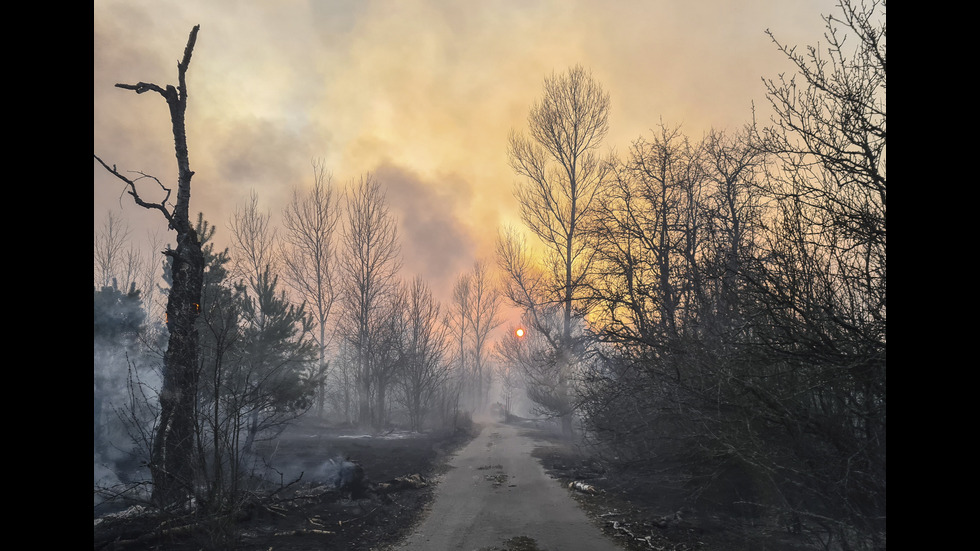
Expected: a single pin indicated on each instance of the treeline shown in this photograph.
(713, 309)
(313, 317)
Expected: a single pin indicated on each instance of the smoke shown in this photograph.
(337, 473)
(435, 243)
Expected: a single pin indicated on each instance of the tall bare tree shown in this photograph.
(484, 318)
(472, 316)
(545, 368)
(425, 345)
(456, 318)
(309, 259)
(651, 228)
(388, 352)
(171, 464)
(457, 326)
(562, 172)
(369, 264)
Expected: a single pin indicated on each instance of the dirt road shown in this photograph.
(497, 496)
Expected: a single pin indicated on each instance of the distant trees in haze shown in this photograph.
(369, 260)
(709, 307)
(484, 315)
(121, 260)
(471, 317)
(109, 242)
(424, 354)
(309, 261)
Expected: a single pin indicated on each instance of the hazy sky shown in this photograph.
(420, 93)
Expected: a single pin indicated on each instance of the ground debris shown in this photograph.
(583, 487)
(304, 532)
(410, 482)
(497, 479)
(517, 543)
(315, 512)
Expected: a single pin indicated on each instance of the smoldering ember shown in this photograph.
(678, 344)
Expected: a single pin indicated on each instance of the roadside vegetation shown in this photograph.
(702, 319)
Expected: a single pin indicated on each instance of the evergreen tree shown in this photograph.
(118, 322)
(277, 355)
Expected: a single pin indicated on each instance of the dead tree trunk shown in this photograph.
(171, 460)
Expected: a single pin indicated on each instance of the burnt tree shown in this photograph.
(171, 461)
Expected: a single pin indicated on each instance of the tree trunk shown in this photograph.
(364, 401)
(172, 455)
(380, 406)
(173, 446)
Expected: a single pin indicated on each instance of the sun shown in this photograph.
(519, 332)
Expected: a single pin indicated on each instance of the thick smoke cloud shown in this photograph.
(435, 244)
(426, 90)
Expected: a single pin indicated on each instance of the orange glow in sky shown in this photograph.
(422, 94)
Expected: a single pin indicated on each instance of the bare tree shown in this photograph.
(388, 353)
(254, 241)
(542, 356)
(341, 389)
(109, 243)
(369, 264)
(562, 173)
(736, 209)
(457, 320)
(484, 318)
(309, 259)
(457, 326)
(822, 279)
(472, 316)
(425, 345)
(546, 378)
(650, 230)
(171, 464)
(675, 226)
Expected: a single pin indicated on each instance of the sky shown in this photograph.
(421, 94)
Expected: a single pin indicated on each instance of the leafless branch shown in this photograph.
(161, 206)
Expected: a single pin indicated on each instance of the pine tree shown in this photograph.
(118, 323)
(277, 355)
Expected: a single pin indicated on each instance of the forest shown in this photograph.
(711, 306)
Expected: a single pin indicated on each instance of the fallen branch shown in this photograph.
(305, 532)
(364, 516)
(583, 487)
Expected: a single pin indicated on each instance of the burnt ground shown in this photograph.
(400, 472)
(312, 513)
(651, 513)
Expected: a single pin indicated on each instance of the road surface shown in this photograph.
(496, 495)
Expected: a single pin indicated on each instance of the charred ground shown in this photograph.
(401, 473)
(654, 512)
(312, 513)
